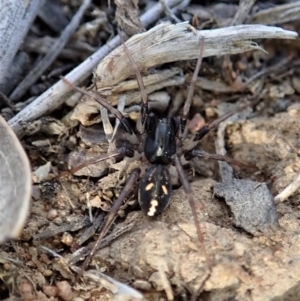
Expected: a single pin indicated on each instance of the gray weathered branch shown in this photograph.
(15, 19)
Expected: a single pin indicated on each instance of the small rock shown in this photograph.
(252, 205)
(142, 285)
(50, 290)
(52, 214)
(155, 279)
(67, 239)
(64, 290)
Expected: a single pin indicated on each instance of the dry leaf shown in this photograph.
(15, 183)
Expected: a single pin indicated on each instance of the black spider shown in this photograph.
(163, 146)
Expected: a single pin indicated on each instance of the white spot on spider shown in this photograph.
(152, 210)
(164, 189)
(149, 186)
(159, 152)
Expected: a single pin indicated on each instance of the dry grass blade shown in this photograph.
(15, 182)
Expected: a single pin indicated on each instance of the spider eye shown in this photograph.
(155, 190)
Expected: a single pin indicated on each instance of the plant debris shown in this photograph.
(15, 183)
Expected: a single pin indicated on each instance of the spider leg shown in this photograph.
(186, 107)
(122, 151)
(188, 190)
(103, 102)
(144, 104)
(202, 132)
(110, 217)
(202, 154)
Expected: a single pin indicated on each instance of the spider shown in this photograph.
(163, 146)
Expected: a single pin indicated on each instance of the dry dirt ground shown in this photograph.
(242, 257)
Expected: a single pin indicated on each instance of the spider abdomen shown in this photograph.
(155, 190)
